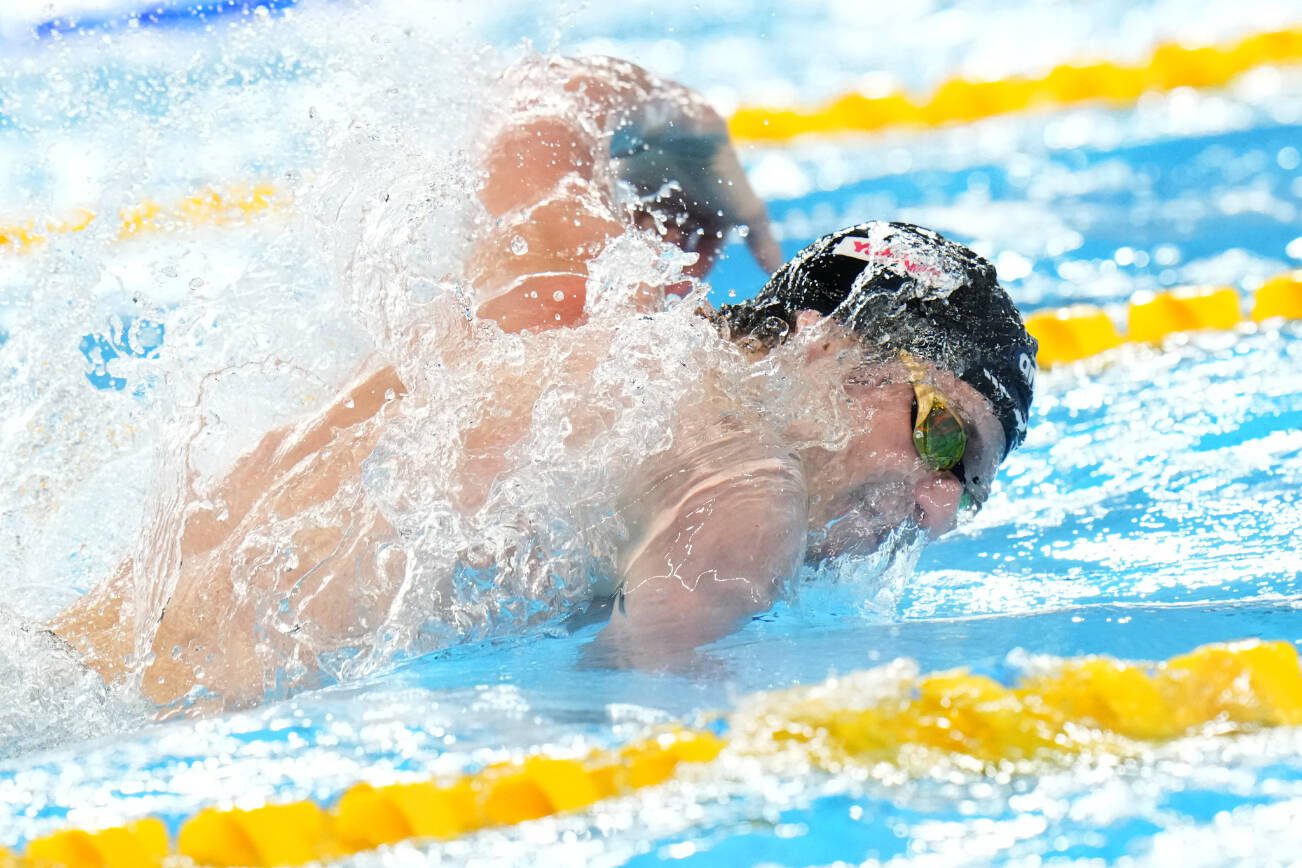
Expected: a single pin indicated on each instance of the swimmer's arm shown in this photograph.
(550, 216)
(548, 190)
(705, 568)
(283, 449)
(101, 623)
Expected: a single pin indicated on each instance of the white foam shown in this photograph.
(51, 698)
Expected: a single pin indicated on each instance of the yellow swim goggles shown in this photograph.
(938, 432)
(939, 435)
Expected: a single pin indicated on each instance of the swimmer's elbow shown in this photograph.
(663, 614)
(661, 626)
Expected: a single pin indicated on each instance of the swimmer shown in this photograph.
(900, 341)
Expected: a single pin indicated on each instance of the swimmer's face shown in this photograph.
(878, 482)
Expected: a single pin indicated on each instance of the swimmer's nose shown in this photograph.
(936, 499)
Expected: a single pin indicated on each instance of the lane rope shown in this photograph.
(1066, 334)
(959, 100)
(1077, 332)
(161, 16)
(232, 205)
(1085, 706)
(1088, 706)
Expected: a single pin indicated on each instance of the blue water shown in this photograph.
(1153, 508)
(1165, 202)
(164, 16)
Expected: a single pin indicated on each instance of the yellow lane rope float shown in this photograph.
(1067, 334)
(1077, 332)
(211, 206)
(1089, 706)
(959, 100)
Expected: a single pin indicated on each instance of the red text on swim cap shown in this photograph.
(865, 249)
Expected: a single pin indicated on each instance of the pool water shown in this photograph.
(1153, 508)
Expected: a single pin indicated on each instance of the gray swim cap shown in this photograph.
(901, 287)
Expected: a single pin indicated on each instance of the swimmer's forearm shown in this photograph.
(546, 186)
(665, 617)
(551, 218)
(279, 451)
(659, 627)
(705, 574)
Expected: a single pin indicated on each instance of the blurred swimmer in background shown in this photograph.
(866, 394)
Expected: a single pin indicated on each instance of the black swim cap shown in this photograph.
(901, 287)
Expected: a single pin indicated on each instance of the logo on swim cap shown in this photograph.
(1026, 365)
(915, 258)
(865, 249)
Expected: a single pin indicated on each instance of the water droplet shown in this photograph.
(558, 296)
(196, 282)
(519, 246)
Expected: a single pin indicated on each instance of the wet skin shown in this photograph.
(878, 481)
(714, 535)
(546, 183)
(710, 558)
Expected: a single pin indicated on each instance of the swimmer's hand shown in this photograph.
(677, 171)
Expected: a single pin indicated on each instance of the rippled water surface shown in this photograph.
(1153, 508)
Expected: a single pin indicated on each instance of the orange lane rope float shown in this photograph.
(1078, 332)
(1083, 706)
(960, 100)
